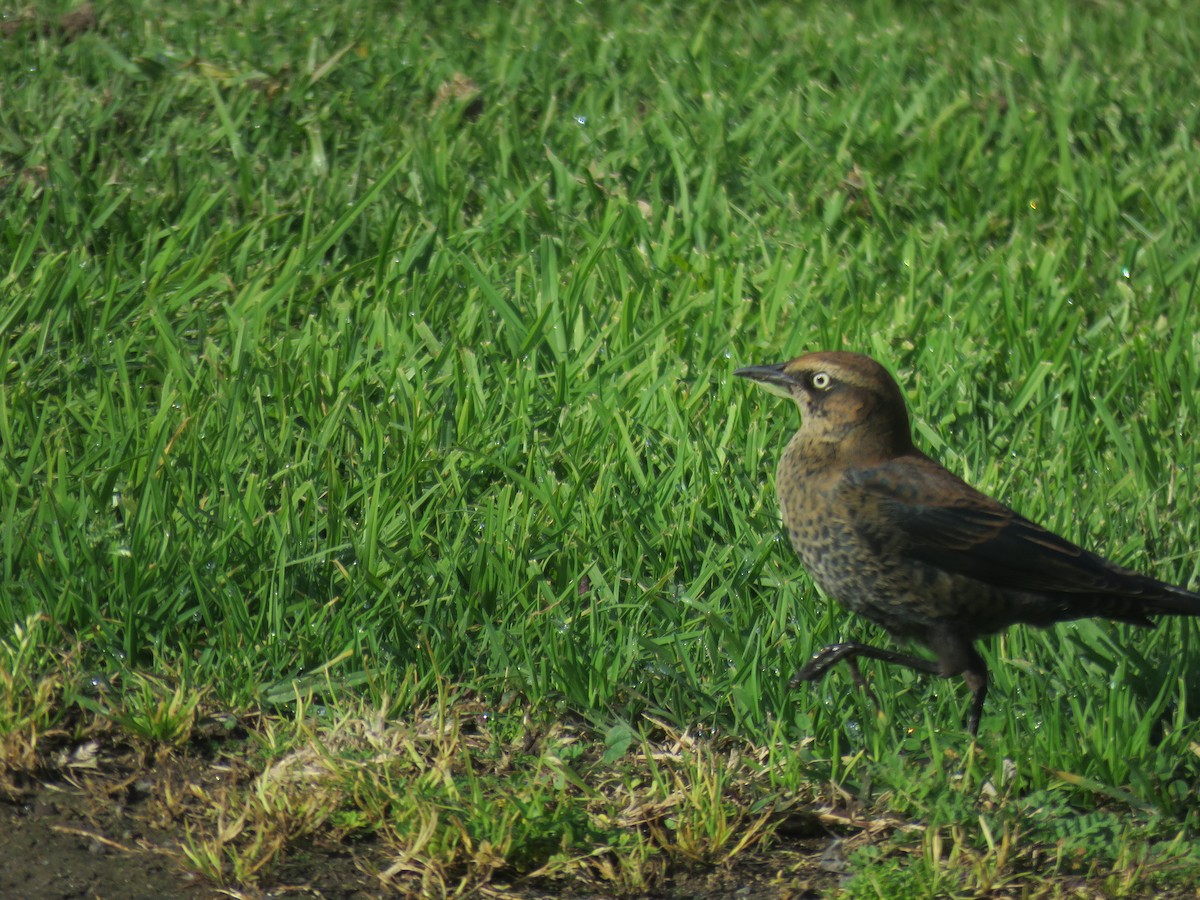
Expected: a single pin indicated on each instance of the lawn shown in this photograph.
(379, 506)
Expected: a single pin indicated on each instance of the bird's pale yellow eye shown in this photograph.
(821, 381)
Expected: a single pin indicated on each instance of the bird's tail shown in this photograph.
(1176, 601)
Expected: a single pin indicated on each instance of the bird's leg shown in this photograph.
(823, 660)
(958, 656)
(955, 656)
(976, 678)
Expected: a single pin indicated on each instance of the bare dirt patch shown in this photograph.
(52, 848)
(118, 829)
(113, 824)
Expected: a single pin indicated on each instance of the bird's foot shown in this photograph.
(822, 661)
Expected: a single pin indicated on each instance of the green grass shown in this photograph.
(359, 352)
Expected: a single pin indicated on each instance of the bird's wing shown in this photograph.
(944, 522)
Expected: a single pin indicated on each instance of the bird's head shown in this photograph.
(843, 398)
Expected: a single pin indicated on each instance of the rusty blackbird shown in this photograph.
(897, 538)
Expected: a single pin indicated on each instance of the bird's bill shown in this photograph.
(773, 378)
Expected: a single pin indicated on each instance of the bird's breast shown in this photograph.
(847, 549)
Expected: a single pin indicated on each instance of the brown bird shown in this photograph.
(894, 536)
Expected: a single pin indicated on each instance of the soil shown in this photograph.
(108, 835)
(110, 829)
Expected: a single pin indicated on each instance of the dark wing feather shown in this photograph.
(946, 523)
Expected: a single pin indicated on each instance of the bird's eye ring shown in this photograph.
(821, 381)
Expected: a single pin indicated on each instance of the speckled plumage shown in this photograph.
(897, 538)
